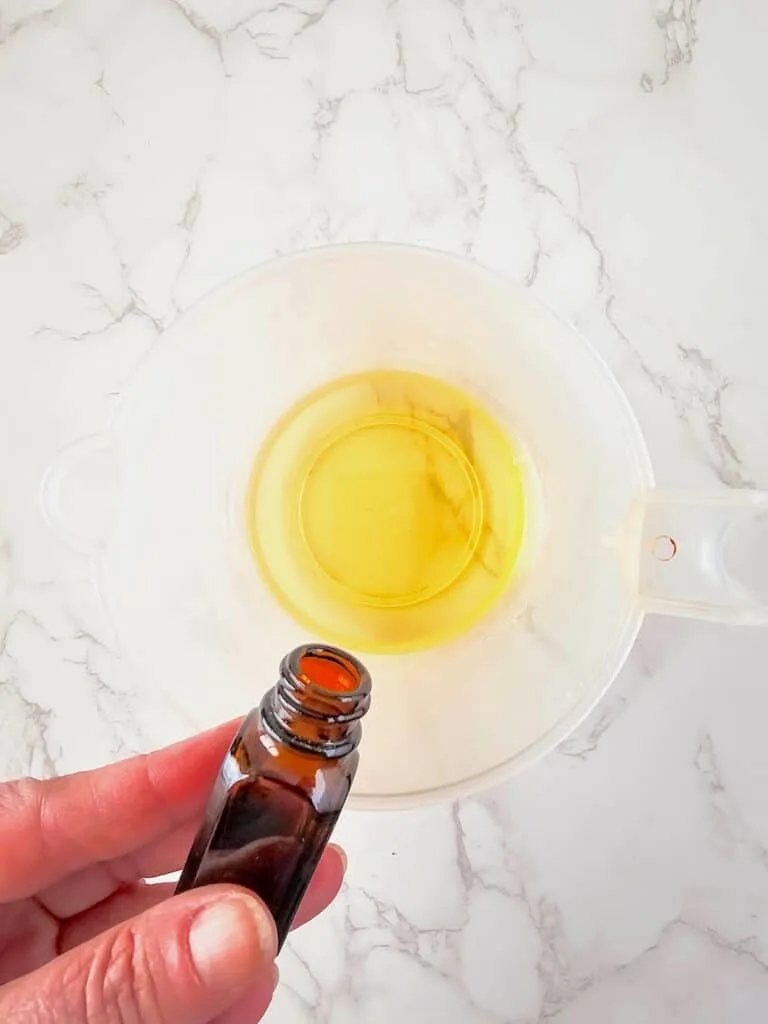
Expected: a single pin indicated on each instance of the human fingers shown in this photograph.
(324, 886)
(120, 906)
(187, 960)
(55, 828)
(248, 1008)
(132, 900)
(83, 889)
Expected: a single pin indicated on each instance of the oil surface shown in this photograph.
(386, 511)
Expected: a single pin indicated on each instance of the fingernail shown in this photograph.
(226, 924)
(342, 853)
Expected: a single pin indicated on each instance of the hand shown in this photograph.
(84, 939)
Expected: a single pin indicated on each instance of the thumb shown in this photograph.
(184, 961)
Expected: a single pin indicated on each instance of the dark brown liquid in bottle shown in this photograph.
(283, 784)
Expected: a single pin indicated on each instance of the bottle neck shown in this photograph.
(318, 701)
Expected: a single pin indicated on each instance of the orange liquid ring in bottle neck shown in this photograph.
(335, 676)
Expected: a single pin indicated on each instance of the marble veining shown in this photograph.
(613, 158)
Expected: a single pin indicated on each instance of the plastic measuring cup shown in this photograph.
(156, 502)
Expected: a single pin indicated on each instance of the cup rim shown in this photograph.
(614, 659)
(520, 761)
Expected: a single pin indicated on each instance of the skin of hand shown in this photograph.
(84, 940)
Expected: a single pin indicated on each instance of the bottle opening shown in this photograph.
(320, 695)
(329, 671)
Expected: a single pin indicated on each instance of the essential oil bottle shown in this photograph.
(284, 782)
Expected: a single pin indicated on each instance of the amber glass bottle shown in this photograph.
(284, 781)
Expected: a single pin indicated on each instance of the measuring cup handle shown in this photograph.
(705, 558)
(77, 493)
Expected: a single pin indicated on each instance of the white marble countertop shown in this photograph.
(611, 155)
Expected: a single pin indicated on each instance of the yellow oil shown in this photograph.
(386, 511)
